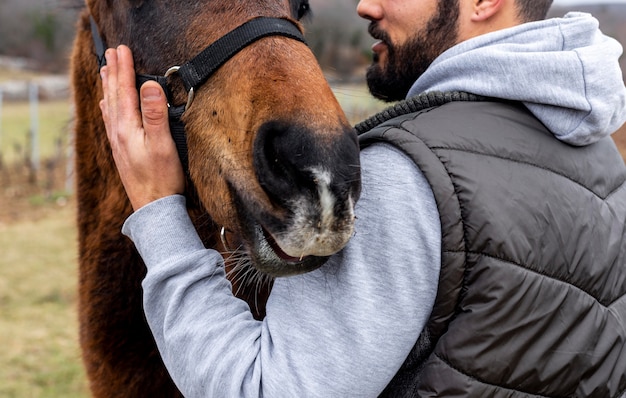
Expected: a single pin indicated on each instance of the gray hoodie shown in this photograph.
(345, 329)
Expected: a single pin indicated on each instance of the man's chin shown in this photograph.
(382, 86)
(375, 82)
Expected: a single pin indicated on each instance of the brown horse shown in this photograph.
(271, 160)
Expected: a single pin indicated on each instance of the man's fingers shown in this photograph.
(104, 110)
(109, 78)
(153, 108)
(156, 123)
(126, 65)
(120, 105)
(143, 150)
(127, 91)
(104, 102)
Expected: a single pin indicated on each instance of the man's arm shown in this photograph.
(342, 330)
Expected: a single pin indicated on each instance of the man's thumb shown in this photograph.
(153, 108)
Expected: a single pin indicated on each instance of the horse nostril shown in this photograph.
(283, 155)
(294, 163)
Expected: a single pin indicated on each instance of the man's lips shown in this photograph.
(379, 47)
(380, 36)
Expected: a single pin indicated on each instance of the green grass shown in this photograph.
(38, 322)
(54, 132)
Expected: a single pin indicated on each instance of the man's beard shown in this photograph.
(406, 63)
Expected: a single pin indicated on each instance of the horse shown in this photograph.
(271, 163)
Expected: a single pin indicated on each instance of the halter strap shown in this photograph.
(197, 71)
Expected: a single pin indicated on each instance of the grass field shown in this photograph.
(38, 324)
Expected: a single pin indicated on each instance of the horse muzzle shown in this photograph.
(312, 182)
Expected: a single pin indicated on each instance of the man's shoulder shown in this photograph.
(443, 124)
(417, 106)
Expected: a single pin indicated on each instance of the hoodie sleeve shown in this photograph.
(342, 330)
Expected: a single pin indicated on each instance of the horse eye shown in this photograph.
(303, 10)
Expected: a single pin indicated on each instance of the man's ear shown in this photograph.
(485, 9)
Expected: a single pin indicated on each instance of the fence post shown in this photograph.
(69, 163)
(33, 94)
(1, 103)
(1, 120)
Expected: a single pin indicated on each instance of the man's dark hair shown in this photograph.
(533, 10)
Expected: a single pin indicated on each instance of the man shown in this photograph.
(493, 268)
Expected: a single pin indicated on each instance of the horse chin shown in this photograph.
(268, 258)
(253, 238)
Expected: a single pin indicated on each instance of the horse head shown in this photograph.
(271, 155)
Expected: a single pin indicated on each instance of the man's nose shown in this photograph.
(370, 10)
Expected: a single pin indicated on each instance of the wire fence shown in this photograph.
(26, 169)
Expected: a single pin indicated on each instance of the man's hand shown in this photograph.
(143, 149)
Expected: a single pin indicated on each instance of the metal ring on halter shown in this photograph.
(190, 96)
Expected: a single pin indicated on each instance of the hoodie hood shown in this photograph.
(564, 70)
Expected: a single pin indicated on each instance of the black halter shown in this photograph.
(197, 71)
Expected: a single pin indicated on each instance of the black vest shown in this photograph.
(532, 292)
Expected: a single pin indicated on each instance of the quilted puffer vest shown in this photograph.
(532, 293)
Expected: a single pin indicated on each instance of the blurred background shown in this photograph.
(38, 325)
